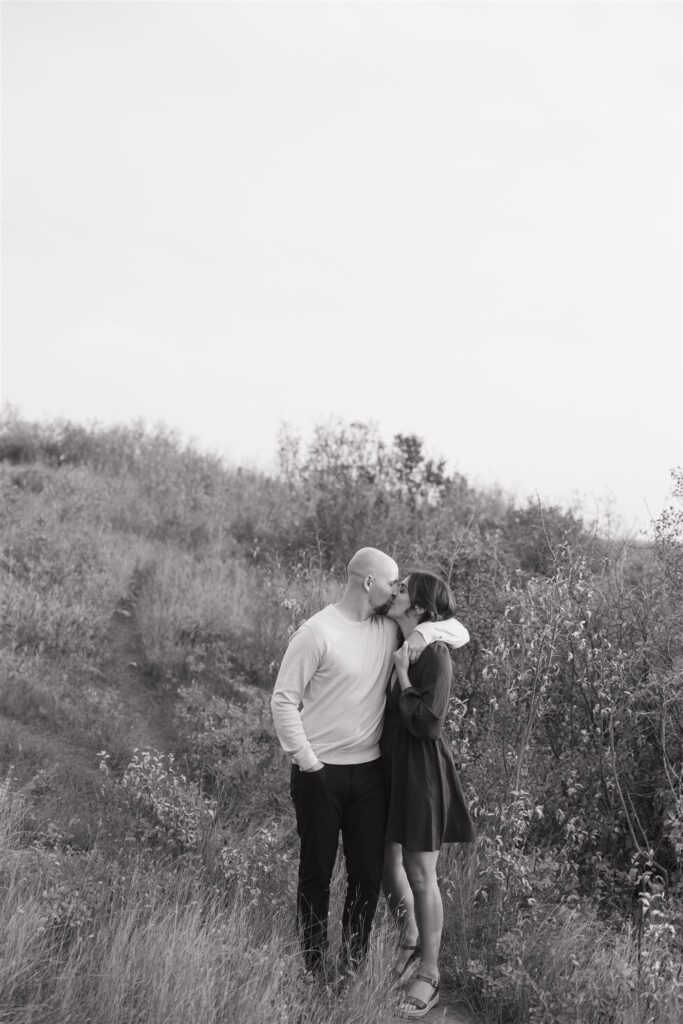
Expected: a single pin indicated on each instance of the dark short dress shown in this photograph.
(426, 802)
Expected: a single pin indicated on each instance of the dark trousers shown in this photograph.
(351, 799)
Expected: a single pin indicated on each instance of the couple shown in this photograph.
(393, 811)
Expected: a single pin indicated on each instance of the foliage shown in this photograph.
(359, 490)
(669, 537)
(131, 881)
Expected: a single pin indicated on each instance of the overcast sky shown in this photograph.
(460, 220)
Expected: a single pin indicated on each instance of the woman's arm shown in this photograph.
(450, 631)
(423, 707)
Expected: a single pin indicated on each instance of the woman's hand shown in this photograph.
(416, 645)
(402, 660)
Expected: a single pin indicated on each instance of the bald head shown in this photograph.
(369, 562)
(374, 576)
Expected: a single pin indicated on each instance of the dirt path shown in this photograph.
(61, 770)
(450, 1010)
(149, 721)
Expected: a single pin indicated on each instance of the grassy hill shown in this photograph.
(147, 844)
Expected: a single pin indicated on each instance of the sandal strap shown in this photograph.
(406, 959)
(415, 1001)
(434, 982)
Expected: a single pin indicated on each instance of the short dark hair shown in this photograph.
(430, 592)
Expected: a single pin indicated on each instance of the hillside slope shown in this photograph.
(148, 849)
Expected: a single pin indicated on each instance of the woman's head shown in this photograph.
(424, 596)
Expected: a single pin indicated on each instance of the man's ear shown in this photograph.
(367, 582)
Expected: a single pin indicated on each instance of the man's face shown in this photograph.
(401, 601)
(383, 589)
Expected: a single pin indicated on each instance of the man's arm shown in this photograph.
(299, 664)
(450, 631)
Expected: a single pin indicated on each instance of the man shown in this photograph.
(328, 707)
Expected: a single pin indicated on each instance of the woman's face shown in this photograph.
(401, 602)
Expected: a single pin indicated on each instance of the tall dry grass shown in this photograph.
(154, 947)
(235, 612)
(134, 918)
(64, 567)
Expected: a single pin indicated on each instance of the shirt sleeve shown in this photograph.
(299, 665)
(423, 708)
(448, 631)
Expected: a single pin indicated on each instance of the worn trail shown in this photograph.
(451, 1010)
(149, 722)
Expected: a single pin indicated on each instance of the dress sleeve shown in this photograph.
(423, 706)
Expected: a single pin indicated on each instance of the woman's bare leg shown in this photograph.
(420, 870)
(398, 894)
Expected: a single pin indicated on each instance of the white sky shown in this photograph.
(461, 220)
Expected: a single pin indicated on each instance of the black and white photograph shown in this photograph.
(341, 511)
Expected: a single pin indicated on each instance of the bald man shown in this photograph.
(328, 708)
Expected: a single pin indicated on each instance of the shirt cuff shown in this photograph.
(306, 758)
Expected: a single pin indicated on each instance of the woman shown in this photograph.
(426, 803)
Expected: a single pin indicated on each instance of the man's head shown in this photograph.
(376, 574)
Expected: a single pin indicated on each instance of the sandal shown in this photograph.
(405, 963)
(413, 1005)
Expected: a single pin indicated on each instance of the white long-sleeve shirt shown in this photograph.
(328, 701)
